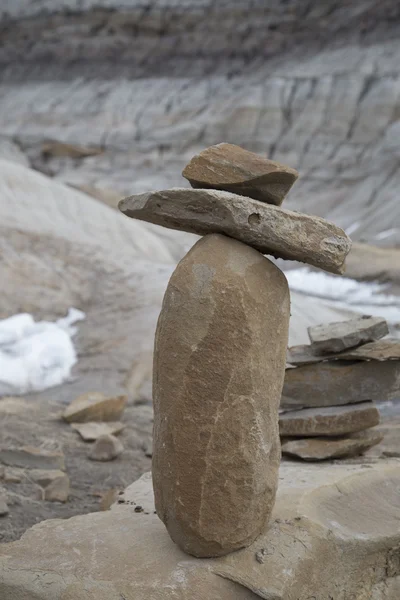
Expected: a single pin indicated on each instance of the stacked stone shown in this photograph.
(220, 344)
(328, 398)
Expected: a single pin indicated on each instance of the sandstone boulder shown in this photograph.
(329, 420)
(335, 337)
(233, 169)
(324, 448)
(269, 229)
(95, 406)
(333, 533)
(337, 382)
(218, 377)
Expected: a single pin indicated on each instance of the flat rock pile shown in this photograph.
(220, 344)
(328, 398)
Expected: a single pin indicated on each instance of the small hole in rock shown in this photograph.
(254, 219)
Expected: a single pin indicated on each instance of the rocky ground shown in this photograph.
(114, 97)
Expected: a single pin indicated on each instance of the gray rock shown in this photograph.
(337, 382)
(380, 350)
(107, 447)
(4, 510)
(324, 448)
(335, 337)
(233, 169)
(329, 420)
(217, 385)
(269, 229)
(29, 457)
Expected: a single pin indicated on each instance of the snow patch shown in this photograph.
(35, 356)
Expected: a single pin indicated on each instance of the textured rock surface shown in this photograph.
(32, 458)
(331, 515)
(324, 448)
(335, 337)
(329, 420)
(217, 384)
(95, 406)
(269, 229)
(233, 169)
(107, 447)
(380, 350)
(335, 383)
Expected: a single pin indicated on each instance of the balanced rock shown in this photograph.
(95, 406)
(324, 448)
(219, 363)
(338, 382)
(107, 447)
(329, 420)
(335, 337)
(233, 169)
(379, 350)
(269, 229)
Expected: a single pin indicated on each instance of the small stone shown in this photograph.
(338, 336)
(268, 229)
(57, 490)
(4, 510)
(329, 420)
(233, 169)
(107, 447)
(324, 448)
(108, 498)
(380, 350)
(91, 431)
(13, 475)
(56, 148)
(29, 457)
(44, 477)
(95, 406)
(217, 387)
(335, 383)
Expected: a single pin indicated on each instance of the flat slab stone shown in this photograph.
(332, 529)
(95, 406)
(334, 383)
(29, 457)
(329, 420)
(91, 431)
(269, 229)
(324, 448)
(379, 350)
(335, 337)
(233, 169)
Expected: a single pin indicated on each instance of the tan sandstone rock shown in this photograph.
(337, 382)
(329, 420)
(323, 448)
(218, 372)
(233, 169)
(333, 534)
(95, 406)
(92, 430)
(269, 229)
(379, 350)
(107, 447)
(335, 337)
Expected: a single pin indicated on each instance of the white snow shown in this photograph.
(358, 296)
(35, 356)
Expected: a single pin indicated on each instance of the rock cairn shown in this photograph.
(328, 398)
(220, 344)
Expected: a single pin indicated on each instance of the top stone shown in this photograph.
(233, 169)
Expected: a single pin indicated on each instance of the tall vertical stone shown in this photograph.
(219, 365)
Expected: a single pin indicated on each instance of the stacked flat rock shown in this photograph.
(328, 398)
(220, 344)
